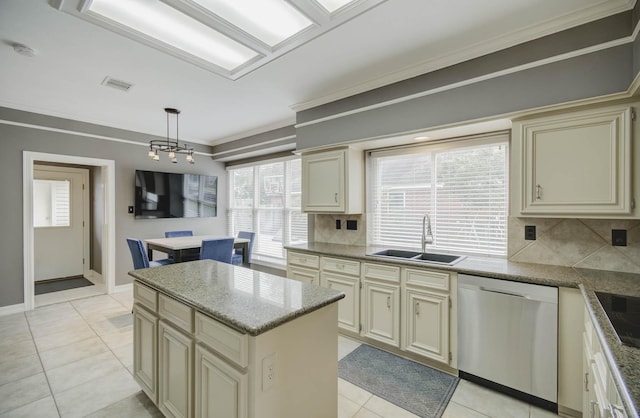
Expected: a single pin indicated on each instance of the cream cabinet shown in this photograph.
(175, 357)
(574, 165)
(303, 267)
(145, 366)
(381, 303)
(344, 275)
(425, 313)
(332, 181)
(600, 395)
(221, 390)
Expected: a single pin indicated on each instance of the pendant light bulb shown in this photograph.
(151, 153)
(156, 157)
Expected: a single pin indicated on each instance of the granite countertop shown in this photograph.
(249, 301)
(624, 361)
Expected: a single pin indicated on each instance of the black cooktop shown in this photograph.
(624, 315)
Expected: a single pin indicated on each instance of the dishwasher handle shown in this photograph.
(503, 292)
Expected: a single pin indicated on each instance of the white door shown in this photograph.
(60, 213)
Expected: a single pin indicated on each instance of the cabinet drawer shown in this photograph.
(337, 265)
(145, 296)
(382, 272)
(176, 312)
(226, 341)
(302, 259)
(427, 278)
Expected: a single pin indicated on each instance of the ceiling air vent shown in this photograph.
(116, 84)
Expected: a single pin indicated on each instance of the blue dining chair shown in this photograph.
(139, 255)
(237, 255)
(171, 234)
(186, 233)
(218, 249)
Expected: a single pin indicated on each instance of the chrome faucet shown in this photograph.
(427, 235)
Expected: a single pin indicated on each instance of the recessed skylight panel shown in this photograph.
(333, 5)
(164, 23)
(271, 21)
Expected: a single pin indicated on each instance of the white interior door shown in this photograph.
(60, 213)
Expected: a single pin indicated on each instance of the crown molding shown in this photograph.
(560, 23)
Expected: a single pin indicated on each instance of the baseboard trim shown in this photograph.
(564, 411)
(123, 288)
(94, 277)
(11, 309)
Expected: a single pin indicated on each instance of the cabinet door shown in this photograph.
(349, 307)
(381, 319)
(145, 360)
(220, 390)
(323, 182)
(304, 275)
(176, 361)
(577, 164)
(426, 324)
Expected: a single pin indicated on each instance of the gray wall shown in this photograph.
(128, 157)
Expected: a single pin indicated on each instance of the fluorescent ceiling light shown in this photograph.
(271, 21)
(333, 5)
(164, 23)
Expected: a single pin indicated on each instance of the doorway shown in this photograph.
(106, 190)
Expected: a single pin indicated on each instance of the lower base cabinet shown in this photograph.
(427, 324)
(175, 352)
(221, 390)
(145, 329)
(600, 395)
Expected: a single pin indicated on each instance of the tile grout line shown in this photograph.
(42, 365)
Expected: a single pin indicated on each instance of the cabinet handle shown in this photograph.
(592, 413)
(586, 381)
(335, 197)
(389, 302)
(417, 308)
(538, 193)
(613, 409)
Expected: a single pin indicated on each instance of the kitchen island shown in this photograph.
(212, 339)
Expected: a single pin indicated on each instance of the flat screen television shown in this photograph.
(172, 195)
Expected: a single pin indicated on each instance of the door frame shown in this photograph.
(109, 225)
(86, 212)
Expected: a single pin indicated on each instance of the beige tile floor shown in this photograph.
(72, 357)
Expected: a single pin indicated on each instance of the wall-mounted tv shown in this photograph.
(172, 195)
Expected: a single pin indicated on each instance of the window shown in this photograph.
(462, 186)
(265, 198)
(51, 203)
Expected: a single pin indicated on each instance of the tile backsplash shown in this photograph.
(325, 230)
(584, 243)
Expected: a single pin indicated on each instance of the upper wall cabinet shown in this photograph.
(574, 165)
(332, 181)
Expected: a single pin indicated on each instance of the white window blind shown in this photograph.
(462, 186)
(265, 199)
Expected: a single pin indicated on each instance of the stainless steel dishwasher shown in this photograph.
(508, 337)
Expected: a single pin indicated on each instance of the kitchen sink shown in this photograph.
(435, 258)
(397, 254)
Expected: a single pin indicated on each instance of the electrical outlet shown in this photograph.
(619, 237)
(352, 225)
(130, 209)
(530, 232)
(338, 224)
(268, 371)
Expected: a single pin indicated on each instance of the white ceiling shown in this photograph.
(395, 40)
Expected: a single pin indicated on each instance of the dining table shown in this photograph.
(179, 247)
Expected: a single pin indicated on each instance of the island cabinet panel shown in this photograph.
(574, 165)
(175, 352)
(332, 181)
(145, 361)
(381, 303)
(221, 390)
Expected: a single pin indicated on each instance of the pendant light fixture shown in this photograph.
(170, 146)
